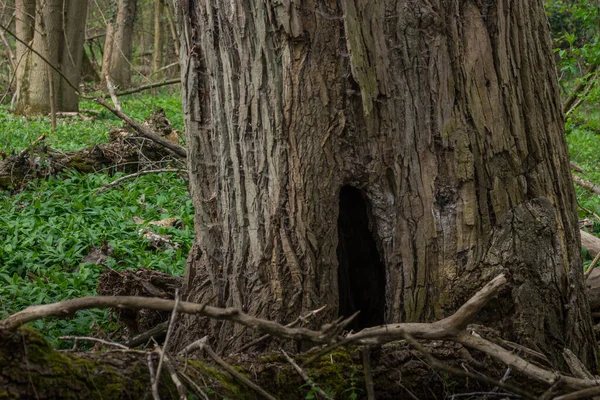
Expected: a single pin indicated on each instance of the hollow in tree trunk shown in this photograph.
(383, 156)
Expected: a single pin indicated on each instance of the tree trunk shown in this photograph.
(24, 28)
(158, 38)
(384, 156)
(58, 36)
(118, 45)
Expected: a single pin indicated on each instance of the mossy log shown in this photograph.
(31, 368)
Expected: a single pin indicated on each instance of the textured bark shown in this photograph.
(58, 36)
(158, 37)
(24, 25)
(118, 45)
(444, 114)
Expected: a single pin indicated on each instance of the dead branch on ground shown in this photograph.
(148, 86)
(452, 328)
(586, 184)
(118, 181)
(177, 150)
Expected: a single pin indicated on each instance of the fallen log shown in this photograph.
(451, 329)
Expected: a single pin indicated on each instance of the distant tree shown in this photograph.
(56, 30)
(118, 45)
(157, 58)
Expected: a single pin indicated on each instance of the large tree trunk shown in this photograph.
(58, 35)
(118, 45)
(383, 156)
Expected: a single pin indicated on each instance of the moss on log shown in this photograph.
(31, 368)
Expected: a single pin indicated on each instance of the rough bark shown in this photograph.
(444, 114)
(58, 36)
(118, 45)
(158, 37)
(24, 25)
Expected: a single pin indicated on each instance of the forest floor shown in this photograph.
(49, 228)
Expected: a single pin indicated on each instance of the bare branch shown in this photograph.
(149, 86)
(305, 376)
(118, 181)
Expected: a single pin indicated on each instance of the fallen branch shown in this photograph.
(142, 338)
(579, 89)
(304, 319)
(142, 131)
(149, 86)
(118, 181)
(586, 184)
(92, 339)
(436, 364)
(451, 328)
(366, 359)
(305, 376)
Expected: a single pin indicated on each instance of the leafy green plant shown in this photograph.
(47, 229)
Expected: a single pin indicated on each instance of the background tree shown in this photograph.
(355, 154)
(55, 29)
(118, 45)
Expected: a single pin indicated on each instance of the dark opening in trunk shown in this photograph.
(361, 274)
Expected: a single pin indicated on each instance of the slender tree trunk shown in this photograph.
(118, 45)
(58, 36)
(158, 37)
(384, 156)
(71, 57)
(24, 28)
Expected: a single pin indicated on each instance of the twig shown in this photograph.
(166, 343)
(302, 319)
(92, 339)
(366, 359)
(152, 378)
(202, 345)
(591, 267)
(173, 373)
(174, 148)
(581, 96)
(33, 144)
(149, 86)
(586, 184)
(144, 337)
(576, 167)
(436, 364)
(548, 394)
(113, 95)
(118, 181)
(581, 394)
(580, 88)
(305, 376)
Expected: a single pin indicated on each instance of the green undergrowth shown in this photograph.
(73, 133)
(48, 228)
(584, 143)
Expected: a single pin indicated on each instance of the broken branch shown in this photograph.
(174, 148)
